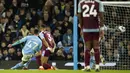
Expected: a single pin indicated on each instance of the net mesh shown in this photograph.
(115, 47)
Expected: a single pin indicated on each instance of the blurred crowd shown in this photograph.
(19, 18)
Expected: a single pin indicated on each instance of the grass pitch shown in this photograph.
(62, 71)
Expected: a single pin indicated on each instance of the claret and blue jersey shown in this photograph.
(89, 10)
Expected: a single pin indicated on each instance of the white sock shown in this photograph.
(97, 66)
(87, 67)
(40, 66)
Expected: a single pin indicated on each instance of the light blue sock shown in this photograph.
(26, 64)
(92, 61)
(17, 66)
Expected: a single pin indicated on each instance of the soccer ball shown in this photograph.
(122, 28)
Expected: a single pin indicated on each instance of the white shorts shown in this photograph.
(27, 57)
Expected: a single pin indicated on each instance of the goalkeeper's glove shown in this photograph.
(103, 28)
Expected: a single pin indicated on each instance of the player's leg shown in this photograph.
(96, 49)
(87, 56)
(25, 66)
(25, 59)
(38, 58)
(100, 38)
(92, 59)
(102, 59)
(44, 60)
(87, 48)
(17, 66)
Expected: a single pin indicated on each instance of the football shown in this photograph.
(122, 28)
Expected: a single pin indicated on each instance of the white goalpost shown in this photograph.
(115, 48)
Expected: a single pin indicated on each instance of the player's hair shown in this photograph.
(36, 31)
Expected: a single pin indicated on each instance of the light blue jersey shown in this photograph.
(33, 44)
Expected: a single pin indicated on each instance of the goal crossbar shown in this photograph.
(116, 2)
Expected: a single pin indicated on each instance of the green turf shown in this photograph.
(62, 71)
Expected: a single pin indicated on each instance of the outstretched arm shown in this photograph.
(80, 15)
(101, 11)
(41, 35)
(101, 18)
(18, 42)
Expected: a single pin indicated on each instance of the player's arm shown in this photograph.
(102, 28)
(54, 46)
(80, 20)
(38, 53)
(80, 15)
(101, 19)
(101, 11)
(44, 40)
(18, 42)
(40, 47)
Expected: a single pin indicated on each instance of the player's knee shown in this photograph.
(87, 50)
(23, 62)
(96, 42)
(88, 46)
(96, 50)
(38, 54)
(96, 45)
(44, 61)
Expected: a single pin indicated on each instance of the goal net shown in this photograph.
(115, 47)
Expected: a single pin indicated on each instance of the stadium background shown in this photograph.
(18, 18)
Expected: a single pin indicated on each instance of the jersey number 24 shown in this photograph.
(89, 10)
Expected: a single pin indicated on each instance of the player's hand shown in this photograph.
(51, 49)
(38, 53)
(81, 33)
(54, 47)
(101, 34)
(10, 45)
(79, 25)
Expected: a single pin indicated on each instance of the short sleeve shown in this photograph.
(79, 7)
(101, 7)
(41, 35)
